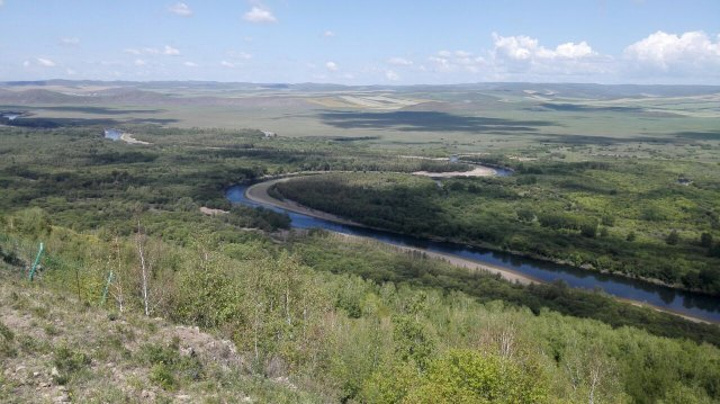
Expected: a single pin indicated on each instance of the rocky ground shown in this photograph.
(53, 350)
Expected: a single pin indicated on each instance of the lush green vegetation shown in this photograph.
(305, 313)
(631, 218)
(313, 317)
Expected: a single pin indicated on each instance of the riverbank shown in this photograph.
(259, 193)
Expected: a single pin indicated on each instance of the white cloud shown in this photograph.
(70, 72)
(398, 61)
(140, 62)
(573, 51)
(691, 52)
(259, 15)
(25, 63)
(454, 61)
(45, 62)
(523, 54)
(190, 64)
(169, 50)
(328, 34)
(70, 41)
(181, 9)
(132, 51)
(523, 47)
(391, 75)
(332, 66)
(227, 64)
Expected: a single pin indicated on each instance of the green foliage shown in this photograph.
(673, 238)
(168, 367)
(706, 240)
(412, 342)
(465, 376)
(354, 322)
(7, 342)
(69, 362)
(568, 200)
(34, 222)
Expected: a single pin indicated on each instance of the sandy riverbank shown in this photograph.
(259, 193)
(478, 171)
(129, 139)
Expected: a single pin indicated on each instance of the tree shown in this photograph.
(466, 376)
(589, 228)
(706, 239)
(673, 238)
(140, 240)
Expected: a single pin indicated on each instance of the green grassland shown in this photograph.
(318, 318)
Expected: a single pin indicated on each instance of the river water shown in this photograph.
(688, 303)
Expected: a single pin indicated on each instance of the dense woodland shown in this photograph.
(632, 218)
(346, 320)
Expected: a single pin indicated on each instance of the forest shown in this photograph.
(349, 320)
(630, 218)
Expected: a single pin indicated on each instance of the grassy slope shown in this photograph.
(54, 348)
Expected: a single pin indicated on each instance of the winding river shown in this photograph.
(689, 304)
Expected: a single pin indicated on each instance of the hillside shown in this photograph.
(56, 349)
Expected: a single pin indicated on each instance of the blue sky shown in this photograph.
(363, 42)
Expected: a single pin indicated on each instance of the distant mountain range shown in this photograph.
(158, 93)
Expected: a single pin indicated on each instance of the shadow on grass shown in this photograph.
(698, 135)
(100, 110)
(429, 121)
(54, 123)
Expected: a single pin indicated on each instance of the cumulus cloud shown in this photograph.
(227, 64)
(520, 54)
(181, 9)
(70, 41)
(691, 52)
(453, 61)
(45, 62)
(190, 64)
(398, 61)
(140, 62)
(331, 66)
(328, 34)
(259, 15)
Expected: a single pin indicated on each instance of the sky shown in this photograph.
(398, 42)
